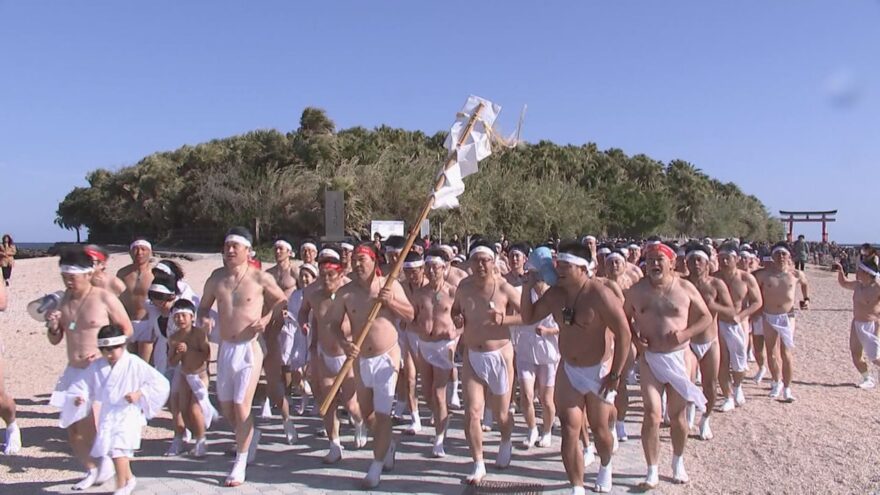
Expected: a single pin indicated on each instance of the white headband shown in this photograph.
(329, 253)
(183, 310)
(345, 245)
(140, 243)
(284, 244)
(310, 267)
(698, 254)
(308, 245)
(574, 260)
(238, 240)
(589, 238)
(460, 258)
(112, 341)
(614, 255)
(437, 260)
(484, 250)
(414, 264)
(780, 248)
(392, 249)
(161, 289)
(603, 250)
(162, 267)
(518, 250)
(729, 251)
(865, 268)
(75, 270)
(634, 246)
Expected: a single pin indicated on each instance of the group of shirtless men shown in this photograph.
(656, 309)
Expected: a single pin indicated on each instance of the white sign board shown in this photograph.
(386, 228)
(426, 228)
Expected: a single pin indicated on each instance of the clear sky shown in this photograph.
(781, 97)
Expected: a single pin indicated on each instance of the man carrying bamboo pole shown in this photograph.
(378, 358)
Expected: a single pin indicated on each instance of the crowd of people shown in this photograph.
(569, 324)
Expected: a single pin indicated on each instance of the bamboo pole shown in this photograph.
(411, 238)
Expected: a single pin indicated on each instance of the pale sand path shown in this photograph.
(826, 442)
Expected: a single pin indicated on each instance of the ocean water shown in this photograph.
(34, 245)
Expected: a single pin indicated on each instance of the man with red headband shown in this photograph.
(483, 303)
(594, 341)
(326, 351)
(665, 311)
(378, 359)
(137, 278)
(99, 277)
(778, 283)
(246, 300)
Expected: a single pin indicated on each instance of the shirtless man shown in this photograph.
(414, 279)
(285, 275)
(308, 251)
(346, 249)
(864, 336)
(137, 278)
(7, 404)
(746, 297)
(378, 359)
(246, 300)
(594, 341)
(99, 277)
(326, 351)
(438, 336)
(83, 310)
(481, 304)
(619, 279)
(704, 343)
(635, 253)
(665, 311)
(454, 274)
(778, 282)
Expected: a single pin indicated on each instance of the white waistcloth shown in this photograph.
(294, 344)
(332, 363)
(438, 354)
(200, 392)
(71, 384)
(379, 373)
(783, 325)
(587, 379)
(736, 339)
(670, 368)
(541, 374)
(235, 363)
(491, 368)
(701, 349)
(757, 326)
(866, 332)
(408, 342)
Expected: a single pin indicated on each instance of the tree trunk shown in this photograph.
(77, 236)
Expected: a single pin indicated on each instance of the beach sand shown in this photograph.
(825, 442)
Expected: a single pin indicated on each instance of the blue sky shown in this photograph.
(781, 97)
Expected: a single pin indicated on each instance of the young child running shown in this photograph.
(189, 349)
(130, 392)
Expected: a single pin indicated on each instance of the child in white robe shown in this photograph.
(128, 391)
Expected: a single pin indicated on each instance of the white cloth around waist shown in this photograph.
(669, 368)
(866, 332)
(783, 325)
(491, 368)
(736, 340)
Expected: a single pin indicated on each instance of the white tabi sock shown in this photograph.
(88, 481)
(679, 475)
(374, 474)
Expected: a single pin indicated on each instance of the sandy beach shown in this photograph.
(825, 442)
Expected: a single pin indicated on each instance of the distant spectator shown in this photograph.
(7, 256)
(801, 253)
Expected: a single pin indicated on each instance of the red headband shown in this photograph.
(363, 249)
(332, 264)
(95, 254)
(662, 249)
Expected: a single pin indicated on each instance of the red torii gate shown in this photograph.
(804, 216)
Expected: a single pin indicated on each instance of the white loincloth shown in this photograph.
(438, 353)
(408, 342)
(736, 340)
(142, 330)
(701, 349)
(379, 373)
(542, 374)
(866, 331)
(71, 384)
(235, 363)
(200, 392)
(491, 369)
(294, 345)
(587, 379)
(670, 368)
(784, 326)
(332, 363)
(757, 326)
(120, 423)
(531, 348)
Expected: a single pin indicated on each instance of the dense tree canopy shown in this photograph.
(274, 183)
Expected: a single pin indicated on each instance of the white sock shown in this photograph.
(416, 418)
(374, 473)
(578, 490)
(88, 481)
(478, 473)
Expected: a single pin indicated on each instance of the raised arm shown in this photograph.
(841, 278)
(530, 312)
